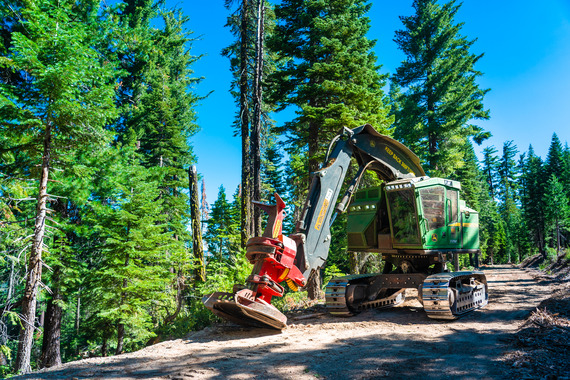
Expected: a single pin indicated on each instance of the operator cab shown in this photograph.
(413, 215)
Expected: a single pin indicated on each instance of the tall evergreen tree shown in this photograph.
(556, 212)
(222, 235)
(134, 273)
(490, 169)
(157, 105)
(508, 179)
(438, 95)
(331, 74)
(532, 181)
(554, 164)
(250, 63)
(241, 24)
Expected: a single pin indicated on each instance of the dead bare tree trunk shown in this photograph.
(257, 107)
(34, 275)
(197, 246)
(246, 205)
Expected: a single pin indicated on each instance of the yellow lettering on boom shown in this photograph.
(399, 161)
(323, 210)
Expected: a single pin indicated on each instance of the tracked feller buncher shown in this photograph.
(418, 224)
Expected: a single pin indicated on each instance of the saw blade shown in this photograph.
(243, 311)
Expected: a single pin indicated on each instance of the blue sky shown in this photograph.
(526, 65)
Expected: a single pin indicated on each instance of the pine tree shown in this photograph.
(222, 235)
(162, 118)
(250, 63)
(508, 174)
(240, 53)
(554, 164)
(556, 212)
(532, 206)
(490, 169)
(133, 274)
(331, 74)
(438, 95)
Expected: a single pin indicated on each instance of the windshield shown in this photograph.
(403, 213)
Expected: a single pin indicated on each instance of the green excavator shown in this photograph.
(417, 223)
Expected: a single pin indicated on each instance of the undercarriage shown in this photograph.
(444, 295)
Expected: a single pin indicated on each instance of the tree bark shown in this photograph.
(120, 338)
(121, 325)
(246, 205)
(256, 129)
(354, 263)
(51, 355)
(314, 286)
(197, 246)
(104, 346)
(77, 319)
(34, 275)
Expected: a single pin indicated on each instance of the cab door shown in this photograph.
(453, 222)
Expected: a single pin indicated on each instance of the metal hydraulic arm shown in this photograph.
(387, 157)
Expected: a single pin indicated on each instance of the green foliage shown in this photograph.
(556, 211)
(223, 274)
(133, 270)
(273, 174)
(554, 165)
(434, 90)
(330, 74)
(222, 236)
(330, 272)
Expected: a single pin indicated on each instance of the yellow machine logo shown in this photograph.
(323, 210)
(434, 238)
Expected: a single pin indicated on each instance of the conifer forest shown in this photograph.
(107, 241)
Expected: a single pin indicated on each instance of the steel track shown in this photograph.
(444, 298)
(335, 297)
(444, 295)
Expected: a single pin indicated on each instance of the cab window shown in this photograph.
(433, 205)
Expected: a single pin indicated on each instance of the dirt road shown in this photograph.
(398, 343)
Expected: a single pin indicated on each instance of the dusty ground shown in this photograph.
(398, 343)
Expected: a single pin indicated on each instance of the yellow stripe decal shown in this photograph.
(464, 225)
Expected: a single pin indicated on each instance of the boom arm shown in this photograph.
(277, 258)
(387, 157)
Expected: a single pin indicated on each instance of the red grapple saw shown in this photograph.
(272, 256)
